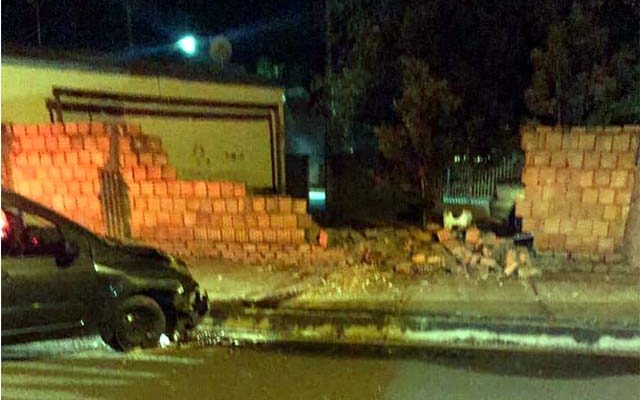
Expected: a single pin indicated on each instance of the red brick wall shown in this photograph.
(632, 236)
(578, 187)
(59, 165)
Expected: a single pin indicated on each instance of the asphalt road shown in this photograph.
(85, 369)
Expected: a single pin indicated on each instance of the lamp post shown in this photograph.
(188, 45)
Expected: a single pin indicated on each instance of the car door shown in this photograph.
(43, 288)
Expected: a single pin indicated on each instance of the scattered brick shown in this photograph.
(323, 239)
(472, 235)
(443, 235)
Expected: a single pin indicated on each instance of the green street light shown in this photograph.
(188, 45)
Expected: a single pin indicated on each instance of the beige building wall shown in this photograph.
(230, 149)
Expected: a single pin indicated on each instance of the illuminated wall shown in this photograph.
(62, 165)
(200, 149)
(578, 187)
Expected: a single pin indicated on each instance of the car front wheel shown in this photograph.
(137, 322)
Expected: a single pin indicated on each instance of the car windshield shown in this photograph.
(336, 199)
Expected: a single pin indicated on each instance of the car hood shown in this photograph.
(142, 261)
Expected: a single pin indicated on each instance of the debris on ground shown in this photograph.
(471, 253)
(323, 239)
(510, 262)
(354, 280)
(409, 251)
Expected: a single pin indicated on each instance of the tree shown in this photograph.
(420, 142)
(582, 76)
(353, 48)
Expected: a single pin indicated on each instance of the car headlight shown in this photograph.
(180, 289)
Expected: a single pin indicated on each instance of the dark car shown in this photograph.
(59, 278)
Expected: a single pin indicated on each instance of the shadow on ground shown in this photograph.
(538, 365)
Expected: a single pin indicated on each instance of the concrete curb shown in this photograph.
(586, 314)
(278, 325)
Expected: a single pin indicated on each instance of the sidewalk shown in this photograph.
(362, 304)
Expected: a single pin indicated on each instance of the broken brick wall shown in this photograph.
(57, 169)
(632, 245)
(60, 166)
(578, 187)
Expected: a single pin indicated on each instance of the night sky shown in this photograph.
(287, 31)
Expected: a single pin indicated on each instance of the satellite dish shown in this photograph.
(220, 49)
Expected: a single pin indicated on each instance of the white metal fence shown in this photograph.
(475, 182)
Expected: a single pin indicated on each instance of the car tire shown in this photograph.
(138, 322)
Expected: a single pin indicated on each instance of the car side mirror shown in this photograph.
(67, 255)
